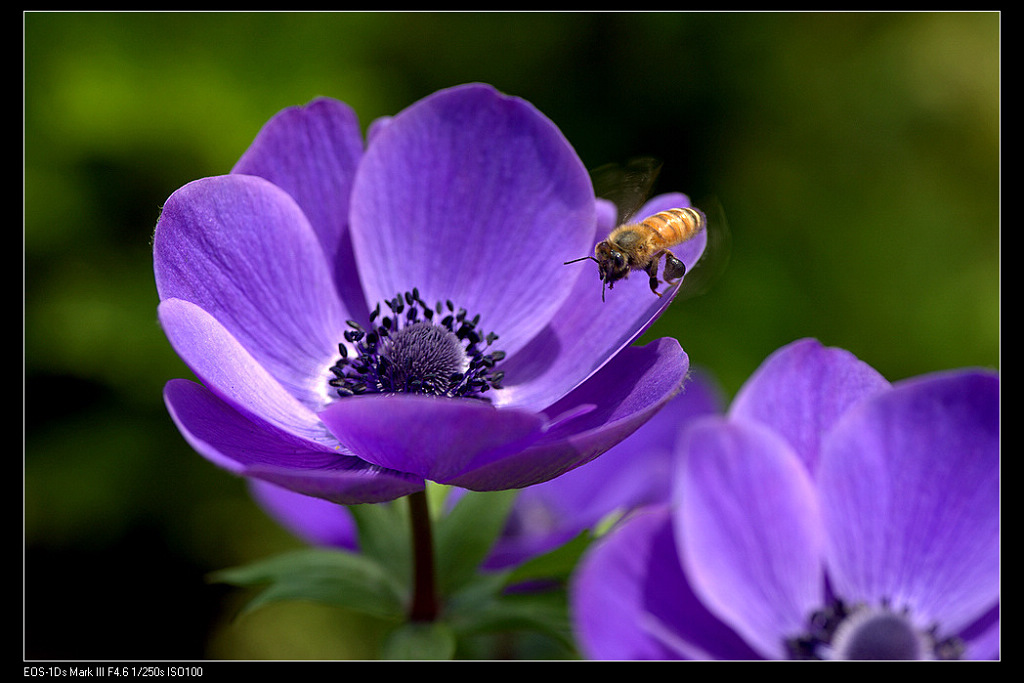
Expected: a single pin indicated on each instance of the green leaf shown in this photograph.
(420, 640)
(329, 577)
(555, 565)
(483, 608)
(464, 536)
(384, 535)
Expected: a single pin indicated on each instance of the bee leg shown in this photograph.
(674, 268)
(652, 270)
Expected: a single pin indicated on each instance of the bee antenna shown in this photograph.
(581, 258)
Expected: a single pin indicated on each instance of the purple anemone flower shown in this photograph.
(633, 473)
(362, 318)
(828, 515)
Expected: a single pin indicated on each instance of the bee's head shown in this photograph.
(611, 264)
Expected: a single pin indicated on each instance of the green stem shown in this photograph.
(424, 597)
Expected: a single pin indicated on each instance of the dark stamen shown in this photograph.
(417, 354)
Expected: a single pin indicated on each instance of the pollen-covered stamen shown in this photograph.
(417, 349)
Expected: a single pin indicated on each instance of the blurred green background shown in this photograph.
(856, 157)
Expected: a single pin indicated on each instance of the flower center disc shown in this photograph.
(839, 631)
(438, 354)
(424, 358)
(878, 635)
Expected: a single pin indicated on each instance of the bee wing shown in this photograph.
(626, 185)
(699, 279)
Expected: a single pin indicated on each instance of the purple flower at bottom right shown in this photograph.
(829, 514)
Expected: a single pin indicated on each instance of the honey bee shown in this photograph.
(643, 245)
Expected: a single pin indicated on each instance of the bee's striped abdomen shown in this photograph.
(675, 226)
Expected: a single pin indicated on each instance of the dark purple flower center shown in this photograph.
(417, 349)
(841, 632)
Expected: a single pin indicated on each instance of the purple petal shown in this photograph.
(631, 601)
(607, 593)
(432, 437)
(748, 529)
(585, 332)
(606, 409)
(802, 389)
(256, 449)
(910, 484)
(233, 374)
(311, 152)
(637, 470)
(474, 197)
(631, 474)
(240, 248)
(982, 638)
(606, 214)
(314, 520)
